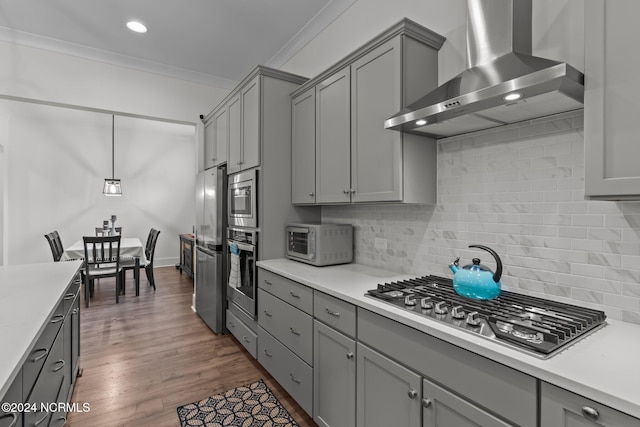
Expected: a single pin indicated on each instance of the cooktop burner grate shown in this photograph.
(537, 325)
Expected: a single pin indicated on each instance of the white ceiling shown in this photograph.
(207, 41)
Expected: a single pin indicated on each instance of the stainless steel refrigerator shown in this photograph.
(211, 224)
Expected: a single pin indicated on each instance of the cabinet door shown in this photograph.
(209, 145)
(303, 148)
(612, 100)
(75, 338)
(561, 408)
(441, 408)
(376, 153)
(334, 377)
(250, 102)
(333, 152)
(388, 394)
(221, 123)
(235, 135)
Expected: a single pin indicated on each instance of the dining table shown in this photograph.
(131, 250)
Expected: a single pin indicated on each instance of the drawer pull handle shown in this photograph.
(266, 353)
(245, 339)
(332, 313)
(46, 415)
(266, 313)
(44, 351)
(57, 318)
(412, 394)
(294, 379)
(64, 421)
(75, 311)
(426, 402)
(590, 413)
(13, 416)
(294, 332)
(350, 355)
(60, 364)
(267, 282)
(294, 295)
(231, 324)
(68, 297)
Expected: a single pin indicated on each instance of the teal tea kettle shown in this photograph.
(475, 280)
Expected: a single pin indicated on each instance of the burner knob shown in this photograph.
(473, 319)
(426, 303)
(441, 307)
(457, 312)
(410, 300)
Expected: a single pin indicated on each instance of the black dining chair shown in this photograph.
(101, 260)
(55, 243)
(149, 250)
(101, 231)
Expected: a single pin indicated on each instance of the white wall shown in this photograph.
(58, 159)
(47, 147)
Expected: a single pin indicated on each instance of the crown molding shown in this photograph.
(315, 26)
(84, 52)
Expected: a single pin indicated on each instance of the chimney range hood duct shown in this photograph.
(503, 83)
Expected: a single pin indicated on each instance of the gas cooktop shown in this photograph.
(538, 326)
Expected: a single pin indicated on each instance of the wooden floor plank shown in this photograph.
(147, 355)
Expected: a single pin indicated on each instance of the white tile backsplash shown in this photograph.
(520, 191)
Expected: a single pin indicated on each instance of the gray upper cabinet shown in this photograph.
(333, 168)
(562, 408)
(253, 115)
(388, 394)
(356, 159)
(303, 183)
(612, 100)
(334, 377)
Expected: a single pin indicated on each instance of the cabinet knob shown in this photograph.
(239, 163)
(350, 355)
(412, 394)
(352, 190)
(311, 194)
(426, 402)
(590, 413)
(347, 191)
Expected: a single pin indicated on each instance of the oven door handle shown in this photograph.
(298, 230)
(242, 246)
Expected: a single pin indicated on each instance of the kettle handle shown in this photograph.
(498, 273)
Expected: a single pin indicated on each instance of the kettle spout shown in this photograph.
(454, 265)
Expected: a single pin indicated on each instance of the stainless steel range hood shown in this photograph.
(500, 65)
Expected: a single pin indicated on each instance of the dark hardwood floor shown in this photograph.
(147, 355)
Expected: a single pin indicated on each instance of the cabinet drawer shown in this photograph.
(560, 407)
(246, 336)
(297, 295)
(289, 370)
(13, 395)
(336, 313)
(291, 326)
(70, 296)
(513, 394)
(41, 350)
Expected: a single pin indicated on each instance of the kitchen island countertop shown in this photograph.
(601, 366)
(29, 294)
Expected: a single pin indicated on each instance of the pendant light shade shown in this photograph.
(112, 186)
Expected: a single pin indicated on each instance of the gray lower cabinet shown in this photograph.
(441, 408)
(244, 334)
(334, 377)
(562, 408)
(13, 395)
(388, 394)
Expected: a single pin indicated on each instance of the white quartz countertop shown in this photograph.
(602, 366)
(29, 294)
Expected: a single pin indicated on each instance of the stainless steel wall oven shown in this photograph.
(242, 255)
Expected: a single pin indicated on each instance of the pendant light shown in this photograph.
(112, 186)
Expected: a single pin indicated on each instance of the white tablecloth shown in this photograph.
(130, 247)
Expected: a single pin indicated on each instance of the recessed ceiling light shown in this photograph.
(421, 122)
(136, 26)
(513, 96)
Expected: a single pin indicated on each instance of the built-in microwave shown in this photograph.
(242, 194)
(320, 244)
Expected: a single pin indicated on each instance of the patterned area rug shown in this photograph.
(246, 406)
